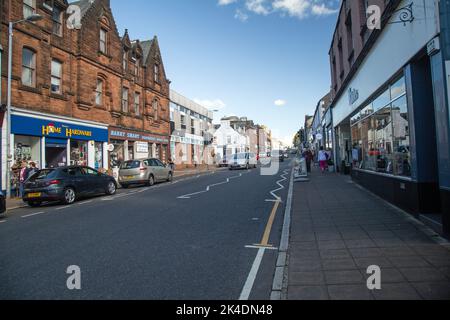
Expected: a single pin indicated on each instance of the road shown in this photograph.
(190, 239)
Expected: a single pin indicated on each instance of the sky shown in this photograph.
(266, 60)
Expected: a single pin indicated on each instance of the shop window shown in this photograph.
(98, 155)
(398, 88)
(28, 68)
(402, 153)
(56, 76)
(57, 18)
(29, 8)
(117, 156)
(382, 100)
(78, 153)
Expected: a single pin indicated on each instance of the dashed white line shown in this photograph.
(2, 221)
(32, 215)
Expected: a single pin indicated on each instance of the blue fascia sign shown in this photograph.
(29, 126)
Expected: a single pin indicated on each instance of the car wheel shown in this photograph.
(170, 177)
(247, 167)
(111, 188)
(34, 204)
(69, 196)
(151, 181)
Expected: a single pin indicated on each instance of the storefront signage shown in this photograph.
(141, 147)
(121, 134)
(353, 95)
(22, 125)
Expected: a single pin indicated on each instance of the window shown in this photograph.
(183, 121)
(137, 66)
(401, 138)
(137, 108)
(192, 126)
(125, 100)
(56, 76)
(156, 73)
(57, 21)
(155, 109)
(99, 93)
(29, 8)
(28, 68)
(125, 60)
(103, 40)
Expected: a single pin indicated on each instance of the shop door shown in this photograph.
(55, 153)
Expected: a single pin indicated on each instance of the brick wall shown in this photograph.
(83, 64)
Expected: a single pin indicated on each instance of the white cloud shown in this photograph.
(294, 8)
(226, 2)
(280, 103)
(322, 10)
(241, 16)
(216, 104)
(257, 6)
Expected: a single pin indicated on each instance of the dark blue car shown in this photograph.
(67, 184)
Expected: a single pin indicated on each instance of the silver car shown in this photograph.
(148, 172)
(242, 161)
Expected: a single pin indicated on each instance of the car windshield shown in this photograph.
(239, 156)
(132, 164)
(44, 174)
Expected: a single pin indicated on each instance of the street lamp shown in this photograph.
(32, 18)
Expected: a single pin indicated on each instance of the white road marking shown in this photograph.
(208, 188)
(85, 202)
(260, 247)
(2, 221)
(245, 294)
(62, 208)
(276, 197)
(32, 215)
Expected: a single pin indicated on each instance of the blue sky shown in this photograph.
(264, 59)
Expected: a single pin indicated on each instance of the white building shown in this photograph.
(228, 141)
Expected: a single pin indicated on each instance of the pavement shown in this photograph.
(203, 237)
(339, 229)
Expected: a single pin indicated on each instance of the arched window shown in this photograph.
(28, 67)
(99, 92)
(103, 40)
(155, 109)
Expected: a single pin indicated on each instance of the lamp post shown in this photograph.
(9, 156)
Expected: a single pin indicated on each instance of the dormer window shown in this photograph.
(156, 72)
(125, 59)
(103, 40)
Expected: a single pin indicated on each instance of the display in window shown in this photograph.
(78, 153)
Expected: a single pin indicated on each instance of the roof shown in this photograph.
(146, 46)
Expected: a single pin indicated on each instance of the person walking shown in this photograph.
(323, 160)
(33, 169)
(23, 176)
(308, 155)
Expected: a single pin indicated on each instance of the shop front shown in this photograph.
(386, 120)
(128, 145)
(52, 142)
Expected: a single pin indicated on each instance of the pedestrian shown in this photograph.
(308, 155)
(23, 176)
(33, 169)
(171, 164)
(323, 160)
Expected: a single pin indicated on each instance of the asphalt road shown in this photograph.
(171, 241)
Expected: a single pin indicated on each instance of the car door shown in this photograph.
(163, 172)
(94, 180)
(76, 178)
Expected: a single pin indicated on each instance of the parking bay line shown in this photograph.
(32, 215)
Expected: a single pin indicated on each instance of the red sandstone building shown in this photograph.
(76, 93)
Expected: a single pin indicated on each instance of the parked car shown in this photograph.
(277, 155)
(242, 161)
(66, 184)
(148, 172)
(2, 203)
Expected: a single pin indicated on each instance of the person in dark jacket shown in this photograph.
(308, 155)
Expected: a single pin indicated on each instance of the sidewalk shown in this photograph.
(338, 230)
